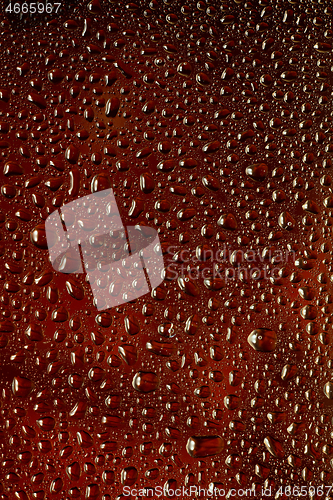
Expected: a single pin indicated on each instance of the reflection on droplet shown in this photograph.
(145, 382)
(21, 386)
(262, 340)
(204, 446)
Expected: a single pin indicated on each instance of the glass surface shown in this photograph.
(206, 128)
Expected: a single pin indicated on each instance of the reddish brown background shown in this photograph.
(199, 92)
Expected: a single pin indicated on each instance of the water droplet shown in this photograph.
(262, 340)
(204, 446)
(145, 382)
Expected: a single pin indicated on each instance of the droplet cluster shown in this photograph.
(211, 121)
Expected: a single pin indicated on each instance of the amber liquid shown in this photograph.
(211, 122)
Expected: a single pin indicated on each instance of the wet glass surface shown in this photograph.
(211, 122)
